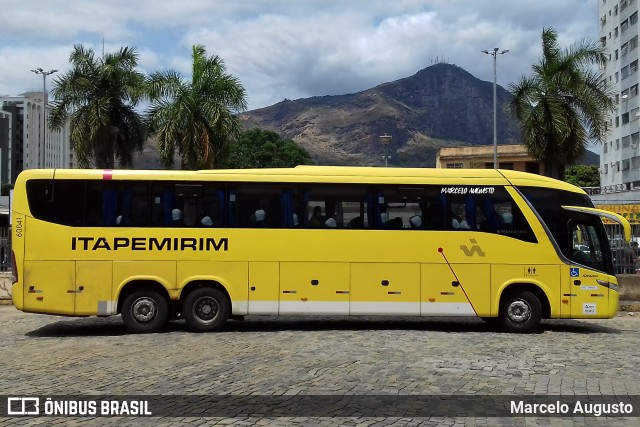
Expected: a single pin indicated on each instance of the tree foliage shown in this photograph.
(583, 176)
(258, 148)
(195, 118)
(563, 104)
(98, 98)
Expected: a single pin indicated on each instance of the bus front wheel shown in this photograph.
(206, 310)
(521, 312)
(145, 311)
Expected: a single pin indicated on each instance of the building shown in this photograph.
(513, 157)
(6, 142)
(620, 155)
(21, 147)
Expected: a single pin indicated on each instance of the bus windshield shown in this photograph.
(580, 237)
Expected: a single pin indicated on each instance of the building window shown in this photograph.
(625, 141)
(635, 138)
(625, 164)
(506, 165)
(624, 73)
(624, 26)
(635, 162)
(633, 43)
(454, 165)
(633, 19)
(605, 148)
(606, 168)
(633, 91)
(625, 120)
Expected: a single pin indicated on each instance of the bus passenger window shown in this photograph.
(339, 206)
(263, 205)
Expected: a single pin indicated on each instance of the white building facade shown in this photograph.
(31, 145)
(620, 152)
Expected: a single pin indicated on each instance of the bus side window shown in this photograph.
(99, 211)
(262, 205)
(57, 201)
(288, 209)
(337, 206)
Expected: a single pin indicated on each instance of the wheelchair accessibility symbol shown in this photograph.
(574, 272)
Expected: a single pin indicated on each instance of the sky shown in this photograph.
(290, 48)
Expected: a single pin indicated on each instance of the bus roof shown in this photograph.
(329, 174)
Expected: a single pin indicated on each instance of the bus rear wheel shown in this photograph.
(145, 311)
(206, 310)
(520, 312)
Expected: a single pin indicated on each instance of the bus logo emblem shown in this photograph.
(475, 249)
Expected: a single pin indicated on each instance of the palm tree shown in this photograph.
(195, 118)
(564, 104)
(98, 97)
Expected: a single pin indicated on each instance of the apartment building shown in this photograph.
(620, 154)
(6, 138)
(21, 146)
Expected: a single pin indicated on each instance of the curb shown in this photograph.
(6, 301)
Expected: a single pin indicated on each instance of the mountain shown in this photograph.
(442, 105)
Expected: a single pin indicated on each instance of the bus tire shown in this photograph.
(206, 310)
(145, 311)
(520, 312)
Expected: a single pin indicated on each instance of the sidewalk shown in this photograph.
(629, 306)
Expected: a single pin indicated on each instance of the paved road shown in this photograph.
(47, 355)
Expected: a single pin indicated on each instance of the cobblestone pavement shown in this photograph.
(48, 355)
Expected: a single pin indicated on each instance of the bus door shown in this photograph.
(590, 274)
(49, 287)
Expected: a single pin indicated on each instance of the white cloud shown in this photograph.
(289, 48)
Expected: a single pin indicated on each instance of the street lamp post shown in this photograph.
(495, 52)
(385, 140)
(42, 151)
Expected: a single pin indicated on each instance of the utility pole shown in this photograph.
(42, 151)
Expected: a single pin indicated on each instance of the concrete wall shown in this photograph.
(5, 286)
(629, 287)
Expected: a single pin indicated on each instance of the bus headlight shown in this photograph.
(608, 284)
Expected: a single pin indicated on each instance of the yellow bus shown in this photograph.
(205, 246)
